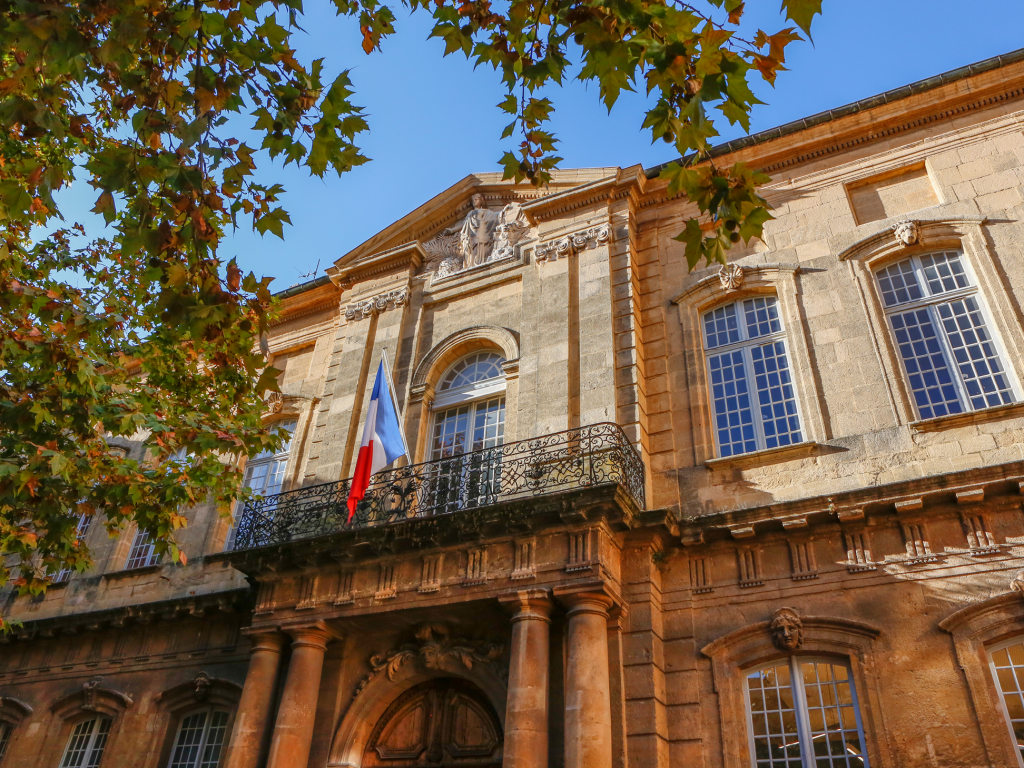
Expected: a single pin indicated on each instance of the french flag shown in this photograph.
(383, 439)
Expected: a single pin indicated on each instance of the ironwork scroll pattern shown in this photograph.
(589, 456)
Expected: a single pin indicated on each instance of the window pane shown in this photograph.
(190, 737)
(489, 424)
(898, 284)
(450, 432)
(215, 740)
(773, 718)
(762, 316)
(944, 272)
(734, 421)
(975, 354)
(775, 395)
(98, 744)
(143, 552)
(721, 327)
(1006, 663)
(835, 736)
(470, 370)
(929, 376)
(6, 729)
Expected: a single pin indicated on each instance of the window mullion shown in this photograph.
(803, 722)
(202, 739)
(755, 403)
(947, 353)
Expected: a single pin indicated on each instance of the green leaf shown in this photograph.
(802, 12)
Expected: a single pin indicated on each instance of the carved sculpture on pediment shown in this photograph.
(907, 232)
(434, 649)
(787, 629)
(483, 236)
(731, 276)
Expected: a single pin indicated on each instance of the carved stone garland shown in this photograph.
(570, 244)
(434, 649)
(376, 304)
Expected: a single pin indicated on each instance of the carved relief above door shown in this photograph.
(439, 723)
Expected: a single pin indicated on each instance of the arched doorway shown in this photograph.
(440, 723)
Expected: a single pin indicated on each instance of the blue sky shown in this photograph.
(433, 120)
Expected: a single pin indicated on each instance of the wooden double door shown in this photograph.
(438, 724)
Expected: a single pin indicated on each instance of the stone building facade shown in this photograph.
(765, 515)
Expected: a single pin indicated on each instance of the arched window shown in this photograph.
(200, 739)
(752, 392)
(469, 410)
(6, 731)
(802, 712)
(468, 427)
(1007, 663)
(86, 744)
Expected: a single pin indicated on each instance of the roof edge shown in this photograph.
(886, 97)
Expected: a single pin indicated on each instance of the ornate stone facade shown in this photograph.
(619, 580)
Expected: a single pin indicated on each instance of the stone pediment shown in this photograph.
(478, 220)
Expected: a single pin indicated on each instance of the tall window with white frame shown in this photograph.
(81, 529)
(143, 552)
(468, 423)
(952, 361)
(803, 713)
(200, 739)
(1007, 664)
(86, 743)
(265, 473)
(752, 394)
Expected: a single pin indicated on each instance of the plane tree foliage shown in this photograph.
(166, 107)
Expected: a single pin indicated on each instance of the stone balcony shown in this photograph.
(448, 498)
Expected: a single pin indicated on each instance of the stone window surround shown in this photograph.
(779, 280)
(186, 698)
(12, 712)
(824, 637)
(439, 359)
(82, 705)
(975, 629)
(962, 233)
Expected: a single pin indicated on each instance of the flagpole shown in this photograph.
(394, 399)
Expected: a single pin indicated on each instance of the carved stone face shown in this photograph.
(477, 200)
(787, 629)
(906, 232)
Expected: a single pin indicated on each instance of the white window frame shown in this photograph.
(473, 395)
(807, 757)
(273, 461)
(140, 542)
(744, 346)
(89, 758)
(204, 739)
(64, 574)
(991, 664)
(930, 301)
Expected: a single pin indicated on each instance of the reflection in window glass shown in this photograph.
(803, 714)
(85, 747)
(951, 359)
(1008, 668)
(752, 391)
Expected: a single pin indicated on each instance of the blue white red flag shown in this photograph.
(383, 439)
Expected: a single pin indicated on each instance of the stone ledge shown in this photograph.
(996, 413)
(155, 568)
(768, 456)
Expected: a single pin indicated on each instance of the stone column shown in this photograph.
(255, 706)
(588, 714)
(293, 732)
(526, 712)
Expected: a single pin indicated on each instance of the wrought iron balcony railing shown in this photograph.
(577, 458)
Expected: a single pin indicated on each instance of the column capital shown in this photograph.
(528, 605)
(587, 599)
(265, 639)
(316, 634)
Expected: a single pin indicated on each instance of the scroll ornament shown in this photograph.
(574, 243)
(433, 649)
(376, 304)
(731, 276)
